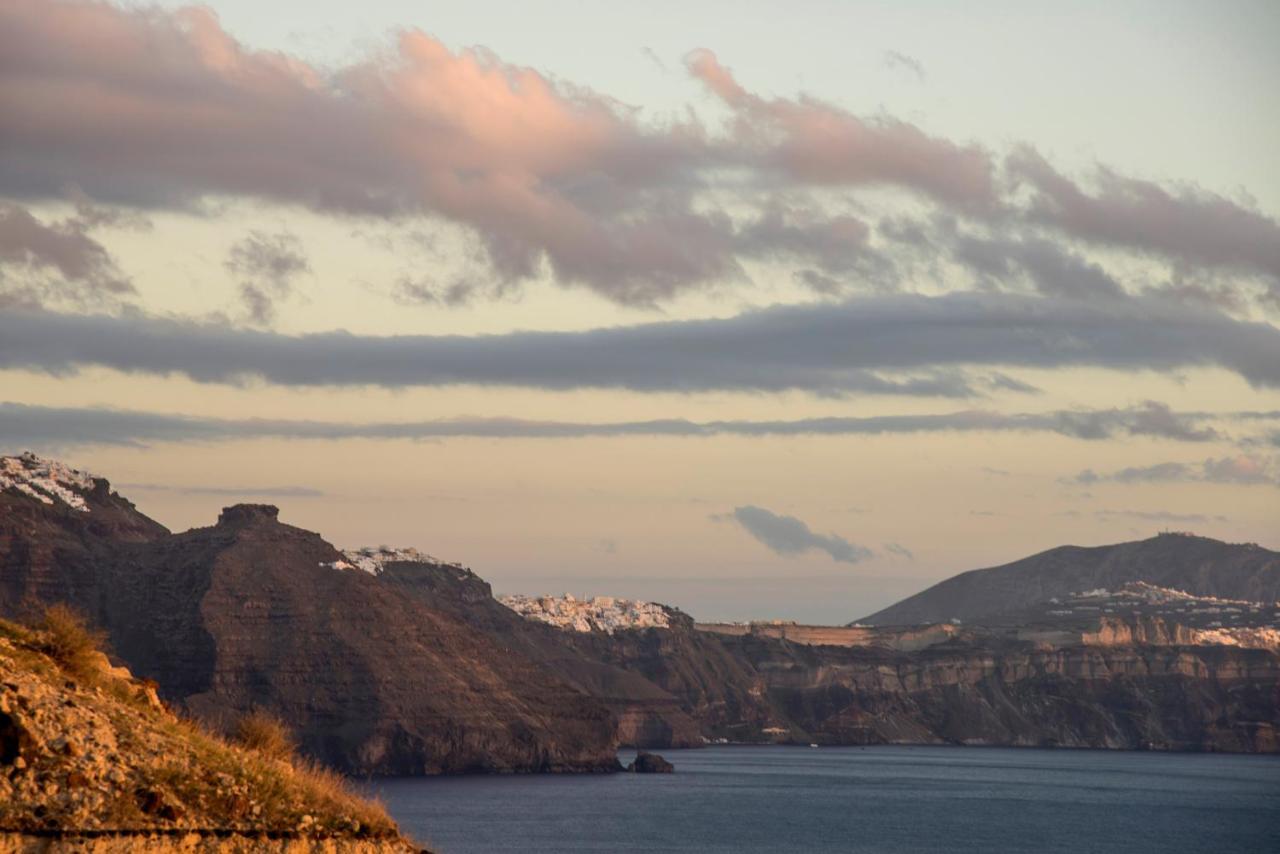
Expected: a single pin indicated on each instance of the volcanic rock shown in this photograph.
(650, 763)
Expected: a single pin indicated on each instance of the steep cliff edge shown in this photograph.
(252, 613)
(1009, 693)
(255, 613)
(58, 528)
(648, 714)
(91, 761)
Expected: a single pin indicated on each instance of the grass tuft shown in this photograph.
(267, 735)
(70, 642)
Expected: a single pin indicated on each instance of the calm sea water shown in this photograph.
(889, 800)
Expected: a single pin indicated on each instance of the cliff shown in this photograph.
(252, 613)
(58, 528)
(392, 662)
(1195, 565)
(1009, 693)
(647, 714)
(91, 761)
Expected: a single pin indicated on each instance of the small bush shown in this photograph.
(71, 643)
(266, 734)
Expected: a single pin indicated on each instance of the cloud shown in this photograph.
(1151, 418)
(902, 62)
(1193, 225)
(231, 491)
(40, 261)
(898, 344)
(159, 108)
(898, 550)
(1053, 271)
(812, 143)
(787, 535)
(22, 425)
(1159, 516)
(267, 265)
(1240, 469)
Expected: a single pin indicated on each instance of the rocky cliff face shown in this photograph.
(647, 713)
(58, 529)
(251, 613)
(1130, 697)
(720, 690)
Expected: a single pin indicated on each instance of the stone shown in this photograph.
(650, 763)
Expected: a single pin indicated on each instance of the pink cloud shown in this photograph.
(817, 143)
(152, 108)
(1193, 225)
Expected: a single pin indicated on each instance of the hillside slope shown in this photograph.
(91, 761)
(1196, 565)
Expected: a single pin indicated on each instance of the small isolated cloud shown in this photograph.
(899, 550)
(267, 265)
(787, 535)
(902, 62)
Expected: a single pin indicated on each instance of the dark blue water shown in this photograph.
(889, 800)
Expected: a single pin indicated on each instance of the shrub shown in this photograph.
(71, 643)
(266, 734)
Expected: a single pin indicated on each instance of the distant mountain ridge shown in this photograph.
(1196, 565)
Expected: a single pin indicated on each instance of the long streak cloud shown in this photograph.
(892, 344)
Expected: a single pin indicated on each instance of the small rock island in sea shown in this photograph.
(650, 763)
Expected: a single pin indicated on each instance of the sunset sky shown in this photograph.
(758, 309)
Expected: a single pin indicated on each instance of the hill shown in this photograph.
(1196, 565)
(91, 760)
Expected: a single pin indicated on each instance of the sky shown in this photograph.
(760, 310)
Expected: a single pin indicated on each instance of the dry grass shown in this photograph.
(266, 734)
(205, 773)
(322, 789)
(329, 788)
(70, 642)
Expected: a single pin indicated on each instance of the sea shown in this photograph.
(889, 800)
